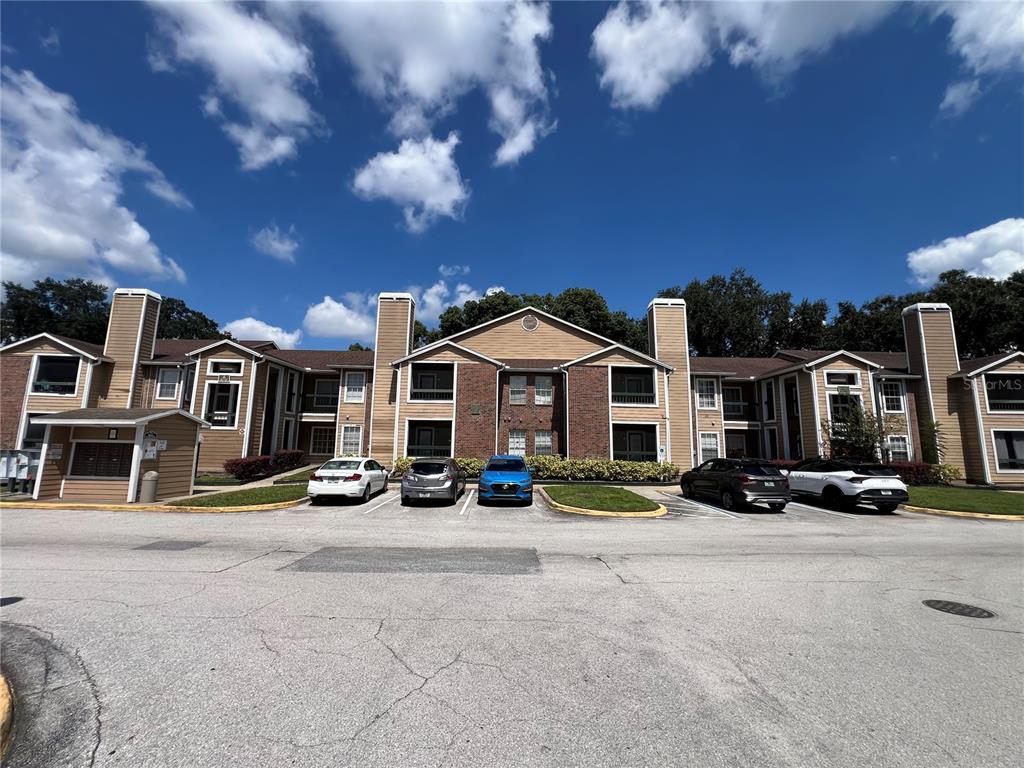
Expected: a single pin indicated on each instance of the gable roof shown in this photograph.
(614, 346)
(88, 349)
(322, 359)
(444, 343)
(113, 416)
(977, 366)
(179, 350)
(737, 367)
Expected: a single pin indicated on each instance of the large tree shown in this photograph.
(79, 309)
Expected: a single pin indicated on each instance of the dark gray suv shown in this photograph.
(733, 482)
(433, 479)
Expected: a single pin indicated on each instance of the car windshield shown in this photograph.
(506, 465)
(760, 469)
(429, 468)
(341, 464)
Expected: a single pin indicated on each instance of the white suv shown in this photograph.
(845, 482)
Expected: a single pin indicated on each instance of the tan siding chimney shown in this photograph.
(396, 318)
(131, 334)
(668, 341)
(932, 354)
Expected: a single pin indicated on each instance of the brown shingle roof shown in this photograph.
(970, 366)
(176, 350)
(93, 349)
(740, 367)
(321, 359)
(110, 415)
(894, 361)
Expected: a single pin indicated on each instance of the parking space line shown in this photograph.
(826, 511)
(701, 505)
(469, 497)
(388, 500)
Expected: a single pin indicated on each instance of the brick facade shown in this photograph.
(531, 417)
(475, 412)
(588, 412)
(13, 380)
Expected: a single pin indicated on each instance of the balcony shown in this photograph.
(633, 386)
(633, 398)
(429, 440)
(634, 442)
(737, 410)
(421, 393)
(320, 403)
(433, 382)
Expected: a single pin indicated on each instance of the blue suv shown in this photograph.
(506, 477)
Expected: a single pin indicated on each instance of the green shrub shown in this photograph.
(557, 468)
(922, 473)
(472, 467)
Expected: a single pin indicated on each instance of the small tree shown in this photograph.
(857, 434)
(933, 444)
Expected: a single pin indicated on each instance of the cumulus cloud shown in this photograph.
(62, 190)
(989, 36)
(50, 42)
(418, 59)
(452, 270)
(258, 72)
(251, 328)
(280, 244)
(421, 177)
(959, 97)
(435, 299)
(995, 251)
(350, 318)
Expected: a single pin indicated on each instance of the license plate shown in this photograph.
(421, 495)
(769, 482)
(332, 479)
(887, 493)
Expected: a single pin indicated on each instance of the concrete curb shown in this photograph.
(597, 512)
(6, 713)
(954, 513)
(151, 507)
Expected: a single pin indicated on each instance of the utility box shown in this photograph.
(147, 494)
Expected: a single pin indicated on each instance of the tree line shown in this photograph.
(730, 315)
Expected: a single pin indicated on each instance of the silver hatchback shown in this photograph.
(433, 479)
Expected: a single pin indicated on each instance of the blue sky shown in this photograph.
(277, 166)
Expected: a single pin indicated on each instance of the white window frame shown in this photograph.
(291, 392)
(177, 381)
(995, 453)
(359, 442)
(232, 360)
(856, 375)
(517, 431)
(287, 433)
(699, 394)
(830, 395)
(362, 387)
(451, 441)
(312, 439)
(725, 402)
(657, 436)
(536, 441)
(35, 372)
(512, 400)
(988, 404)
(700, 446)
(765, 400)
(411, 377)
(238, 401)
(537, 398)
(901, 395)
(906, 442)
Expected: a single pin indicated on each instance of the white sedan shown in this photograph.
(844, 482)
(349, 477)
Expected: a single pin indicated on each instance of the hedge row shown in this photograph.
(258, 467)
(557, 468)
(910, 472)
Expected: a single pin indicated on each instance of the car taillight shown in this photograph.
(356, 476)
(315, 477)
(747, 479)
(857, 479)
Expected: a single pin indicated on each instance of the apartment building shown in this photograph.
(527, 383)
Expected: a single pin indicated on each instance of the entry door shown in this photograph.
(635, 444)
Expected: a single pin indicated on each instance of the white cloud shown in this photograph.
(253, 329)
(257, 68)
(50, 42)
(352, 318)
(995, 251)
(421, 177)
(959, 97)
(452, 270)
(418, 59)
(272, 241)
(435, 299)
(988, 36)
(62, 189)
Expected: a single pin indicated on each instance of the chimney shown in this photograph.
(668, 341)
(131, 334)
(932, 354)
(396, 320)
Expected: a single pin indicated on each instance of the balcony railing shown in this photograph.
(428, 451)
(635, 455)
(319, 403)
(431, 394)
(738, 411)
(1005, 406)
(632, 398)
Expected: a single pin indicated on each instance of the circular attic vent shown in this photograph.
(530, 323)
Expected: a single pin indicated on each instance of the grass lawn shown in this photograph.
(968, 499)
(216, 480)
(263, 495)
(600, 497)
(301, 476)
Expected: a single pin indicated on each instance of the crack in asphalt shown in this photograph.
(600, 559)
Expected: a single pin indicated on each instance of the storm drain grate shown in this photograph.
(959, 609)
(172, 545)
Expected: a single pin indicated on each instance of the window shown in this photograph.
(167, 384)
(186, 400)
(633, 386)
(321, 441)
(899, 448)
(892, 396)
(1009, 450)
(517, 391)
(351, 440)
(324, 398)
(56, 375)
(34, 433)
(429, 439)
(355, 387)
(102, 460)
(286, 434)
(735, 444)
(768, 390)
(840, 406)
(222, 405)
(542, 442)
(706, 397)
(292, 392)
(517, 442)
(432, 381)
(1005, 392)
(542, 391)
(224, 368)
(708, 446)
(732, 402)
(842, 378)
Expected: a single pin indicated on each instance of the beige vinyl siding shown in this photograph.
(446, 355)
(942, 362)
(974, 466)
(843, 364)
(219, 445)
(508, 339)
(146, 388)
(53, 470)
(101, 434)
(121, 345)
(808, 420)
(999, 421)
(55, 403)
(100, 384)
(672, 347)
(175, 463)
(145, 352)
(259, 403)
(95, 490)
(394, 328)
(353, 414)
(652, 413)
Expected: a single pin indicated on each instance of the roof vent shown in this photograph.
(530, 323)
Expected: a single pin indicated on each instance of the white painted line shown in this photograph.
(826, 511)
(378, 506)
(469, 497)
(702, 505)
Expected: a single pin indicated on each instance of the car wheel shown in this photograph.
(384, 489)
(687, 490)
(366, 494)
(314, 501)
(887, 507)
(529, 500)
(777, 507)
(832, 498)
(728, 500)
